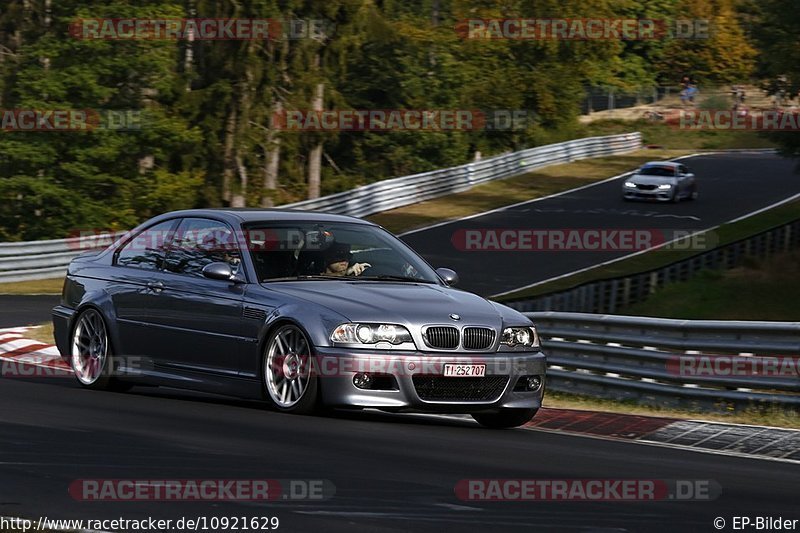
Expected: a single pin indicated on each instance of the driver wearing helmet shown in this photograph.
(337, 262)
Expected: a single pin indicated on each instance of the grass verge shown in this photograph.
(759, 417)
(41, 333)
(39, 286)
(656, 133)
(758, 290)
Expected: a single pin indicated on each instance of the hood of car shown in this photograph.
(400, 303)
(641, 179)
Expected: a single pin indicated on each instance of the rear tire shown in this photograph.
(289, 382)
(505, 418)
(91, 356)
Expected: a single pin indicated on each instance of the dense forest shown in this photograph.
(203, 131)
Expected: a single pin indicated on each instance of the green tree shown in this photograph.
(726, 56)
(776, 29)
(102, 177)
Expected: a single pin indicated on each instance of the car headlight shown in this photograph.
(665, 186)
(630, 184)
(370, 334)
(522, 336)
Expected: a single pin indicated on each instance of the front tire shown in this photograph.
(505, 418)
(290, 384)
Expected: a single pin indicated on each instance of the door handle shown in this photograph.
(155, 286)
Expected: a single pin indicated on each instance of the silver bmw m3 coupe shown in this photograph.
(300, 309)
(662, 181)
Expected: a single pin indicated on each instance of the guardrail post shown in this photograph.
(653, 282)
(787, 239)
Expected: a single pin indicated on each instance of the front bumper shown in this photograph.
(644, 194)
(418, 374)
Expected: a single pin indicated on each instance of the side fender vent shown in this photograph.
(254, 313)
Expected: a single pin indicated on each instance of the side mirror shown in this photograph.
(220, 271)
(449, 276)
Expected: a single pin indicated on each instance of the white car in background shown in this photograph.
(662, 181)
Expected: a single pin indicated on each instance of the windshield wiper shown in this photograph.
(387, 277)
(306, 277)
(384, 277)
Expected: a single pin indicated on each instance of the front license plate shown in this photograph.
(464, 371)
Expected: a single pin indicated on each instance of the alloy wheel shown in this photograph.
(287, 369)
(89, 347)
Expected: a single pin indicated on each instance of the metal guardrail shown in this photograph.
(21, 261)
(662, 361)
(610, 295)
(399, 192)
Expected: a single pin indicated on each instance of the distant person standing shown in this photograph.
(738, 96)
(688, 94)
(781, 91)
(691, 93)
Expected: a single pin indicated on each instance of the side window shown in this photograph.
(683, 169)
(199, 242)
(147, 250)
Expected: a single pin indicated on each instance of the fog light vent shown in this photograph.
(529, 384)
(362, 380)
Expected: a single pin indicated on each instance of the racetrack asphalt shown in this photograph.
(731, 185)
(391, 472)
(23, 310)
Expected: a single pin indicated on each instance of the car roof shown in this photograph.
(661, 164)
(251, 214)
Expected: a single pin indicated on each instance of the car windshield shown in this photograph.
(657, 171)
(311, 251)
